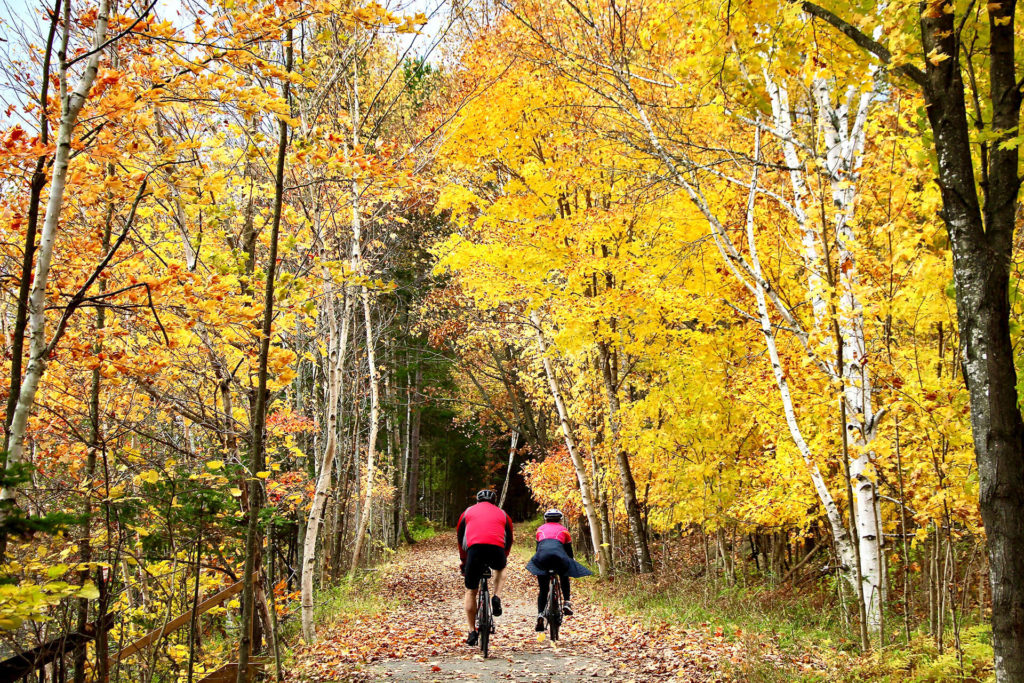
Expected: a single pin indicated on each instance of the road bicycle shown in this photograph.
(484, 616)
(553, 610)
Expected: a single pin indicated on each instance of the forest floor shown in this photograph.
(417, 630)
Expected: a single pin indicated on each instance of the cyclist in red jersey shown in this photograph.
(485, 540)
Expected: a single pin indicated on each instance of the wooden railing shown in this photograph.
(22, 665)
(179, 621)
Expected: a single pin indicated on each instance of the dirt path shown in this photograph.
(422, 635)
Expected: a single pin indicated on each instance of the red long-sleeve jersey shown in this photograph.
(484, 523)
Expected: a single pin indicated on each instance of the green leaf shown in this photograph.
(56, 571)
(89, 591)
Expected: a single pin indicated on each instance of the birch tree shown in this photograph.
(366, 490)
(586, 493)
(337, 344)
(71, 104)
(835, 148)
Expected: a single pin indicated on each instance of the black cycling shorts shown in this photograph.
(480, 556)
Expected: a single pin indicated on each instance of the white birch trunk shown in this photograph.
(574, 454)
(508, 473)
(71, 106)
(844, 544)
(337, 343)
(811, 240)
(371, 356)
(407, 437)
(844, 145)
(371, 445)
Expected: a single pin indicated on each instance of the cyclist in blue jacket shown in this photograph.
(554, 553)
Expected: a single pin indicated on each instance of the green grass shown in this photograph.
(757, 617)
(421, 528)
(527, 531)
(350, 596)
(793, 619)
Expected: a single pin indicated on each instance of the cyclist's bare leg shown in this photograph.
(499, 579)
(470, 605)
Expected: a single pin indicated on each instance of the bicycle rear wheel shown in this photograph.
(554, 609)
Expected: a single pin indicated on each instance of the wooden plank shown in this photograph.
(226, 674)
(179, 621)
(20, 665)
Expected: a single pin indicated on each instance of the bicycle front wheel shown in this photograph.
(484, 620)
(485, 639)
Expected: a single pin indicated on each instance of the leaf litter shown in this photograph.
(420, 636)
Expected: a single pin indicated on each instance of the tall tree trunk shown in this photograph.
(395, 448)
(371, 354)
(982, 247)
(842, 131)
(844, 141)
(71, 106)
(193, 627)
(257, 459)
(841, 537)
(93, 448)
(414, 447)
(403, 487)
(337, 344)
(982, 244)
(403, 491)
(36, 186)
(637, 530)
(600, 549)
(602, 508)
(371, 443)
